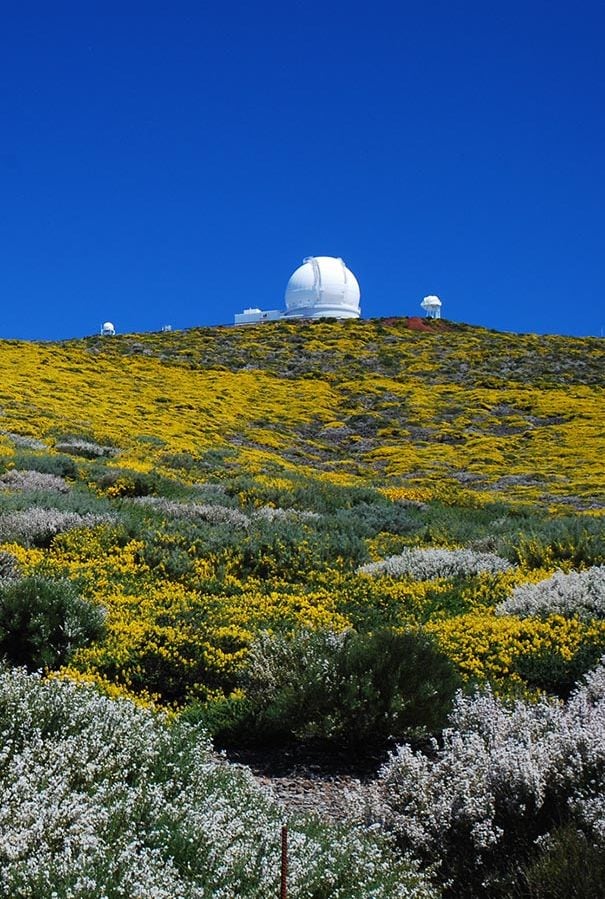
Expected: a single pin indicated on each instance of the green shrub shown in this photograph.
(183, 461)
(43, 622)
(347, 688)
(569, 865)
(486, 526)
(306, 494)
(282, 549)
(124, 482)
(563, 543)
(47, 463)
(368, 519)
(548, 670)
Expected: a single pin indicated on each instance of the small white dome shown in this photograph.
(107, 328)
(322, 287)
(430, 302)
(432, 306)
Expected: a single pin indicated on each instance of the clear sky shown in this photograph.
(173, 162)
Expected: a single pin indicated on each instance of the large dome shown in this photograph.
(322, 287)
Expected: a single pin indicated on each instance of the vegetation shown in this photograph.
(103, 799)
(43, 622)
(509, 781)
(307, 532)
(349, 689)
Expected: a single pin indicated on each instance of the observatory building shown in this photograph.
(322, 287)
(432, 306)
(107, 329)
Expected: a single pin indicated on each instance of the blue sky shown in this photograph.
(174, 162)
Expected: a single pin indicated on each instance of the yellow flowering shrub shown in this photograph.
(484, 646)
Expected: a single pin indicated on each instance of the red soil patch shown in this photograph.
(416, 323)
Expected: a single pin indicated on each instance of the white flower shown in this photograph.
(577, 594)
(426, 564)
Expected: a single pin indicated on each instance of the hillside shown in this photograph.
(307, 535)
(375, 402)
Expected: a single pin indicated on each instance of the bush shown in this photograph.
(548, 670)
(426, 564)
(85, 448)
(460, 525)
(272, 514)
(346, 688)
(565, 543)
(33, 481)
(570, 864)
(368, 519)
(124, 482)
(289, 549)
(577, 594)
(101, 798)
(9, 568)
(37, 527)
(307, 494)
(23, 441)
(182, 461)
(213, 514)
(43, 622)
(505, 777)
(61, 466)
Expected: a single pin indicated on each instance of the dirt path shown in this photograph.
(308, 780)
(329, 798)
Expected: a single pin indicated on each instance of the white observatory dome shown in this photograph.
(322, 287)
(107, 329)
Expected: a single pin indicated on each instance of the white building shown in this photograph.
(107, 329)
(252, 316)
(322, 287)
(432, 306)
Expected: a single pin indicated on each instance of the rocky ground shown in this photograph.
(311, 780)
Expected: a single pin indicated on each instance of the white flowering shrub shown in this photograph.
(24, 442)
(33, 480)
(37, 526)
(9, 567)
(576, 594)
(426, 564)
(275, 659)
(101, 798)
(590, 810)
(86, 448)
(268, 513)
(505, 775)
(213, 514)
